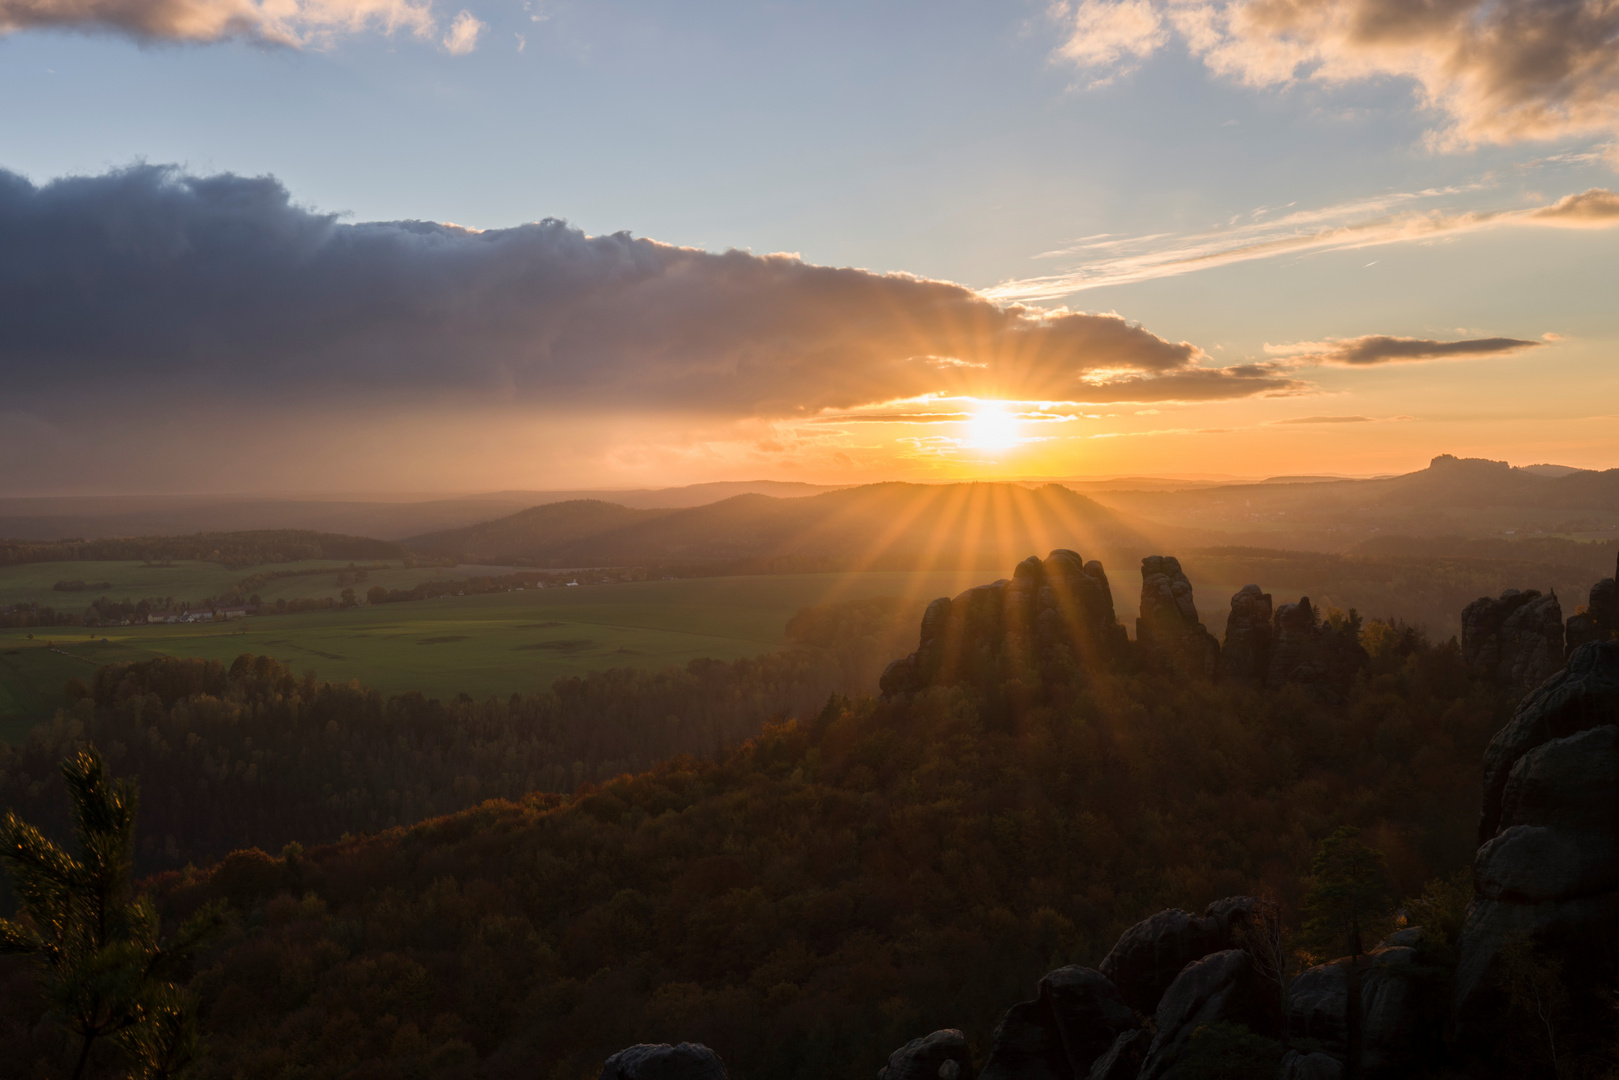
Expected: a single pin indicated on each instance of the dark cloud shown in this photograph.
(147, 275)
(1596, 207)
(1381, 349)
(293, 23)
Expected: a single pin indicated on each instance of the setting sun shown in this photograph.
(993, 427)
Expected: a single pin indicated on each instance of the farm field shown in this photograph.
(192, 580)
(486, 645)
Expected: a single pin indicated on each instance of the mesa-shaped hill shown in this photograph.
(891, 525)
(1465, 497)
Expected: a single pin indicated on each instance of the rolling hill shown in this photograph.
(877, 526)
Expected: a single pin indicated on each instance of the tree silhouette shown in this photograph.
(1349, 895)
(107, 975)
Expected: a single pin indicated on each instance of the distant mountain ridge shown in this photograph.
(890, 525)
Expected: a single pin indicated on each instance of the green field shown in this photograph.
(482, 645)
(192, 580)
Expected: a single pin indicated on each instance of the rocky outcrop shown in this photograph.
(1313, 1066)
(1168, 630)
(1397, 1029)
(1600, 619)
(1322, 658)
(1054, 617)
(1548, 866)
(1245, 653)
(1076, 1019)
(660, 1061)
(1149, 956)
(940, 1056)
(1226, 987)
(1515, 640)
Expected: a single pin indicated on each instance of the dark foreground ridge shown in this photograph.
(1179, 993)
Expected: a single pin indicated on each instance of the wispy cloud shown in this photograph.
(1386, 219)
(1374, 349)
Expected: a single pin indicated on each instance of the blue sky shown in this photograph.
(946, 140)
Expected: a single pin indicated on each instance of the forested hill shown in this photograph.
(804, 904)
(891, 525)
(233, 549)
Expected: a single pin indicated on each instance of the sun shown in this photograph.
(993, 427)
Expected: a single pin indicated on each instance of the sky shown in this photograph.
(402, 245)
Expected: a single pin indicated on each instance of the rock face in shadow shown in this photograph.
(1123, 1059)
(1316, 655)
(1225, 987)
(1245, 653)
(1314, 1066)
(1076, 1019)
(1150, 955)
(1515, 640)
(1168, 630)
(1395, 1036)
(940, 1056)
(1548, 865)
(660, 1061)
(1052, 619)
(1600, 619)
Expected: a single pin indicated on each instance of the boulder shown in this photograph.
(1076, 1018)
(1168, 630)
(1123, 1059)
(940, 1056)
(1316, 1066)
(1150, 955)
(1225, 987)
(660, 1061)
(1245, 653)
(1515, 640)
(1313, 654)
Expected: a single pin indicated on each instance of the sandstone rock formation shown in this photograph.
(1322, 658)
(940, 1056)
(1053, 618)
(1515, 640)
(1168, 630)
(1076, 1019)
(660, 1061)
(1226, 987)
(1245, 653)
(1600, 619)
(1548, 867)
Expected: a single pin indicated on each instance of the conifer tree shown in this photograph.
(107, 975)
(1349, 895)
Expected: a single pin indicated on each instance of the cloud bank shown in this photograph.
(148, 277)
(1497, 71)
(1381, 349)
(292, 23)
